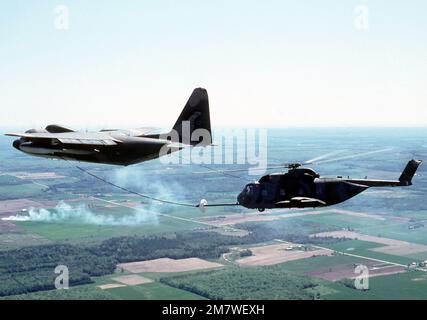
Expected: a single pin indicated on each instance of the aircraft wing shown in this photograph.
(177, 145)
(71, 138)
(140, 132)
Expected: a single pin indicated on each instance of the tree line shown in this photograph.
(31, 269)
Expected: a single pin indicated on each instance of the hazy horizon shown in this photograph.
(266, 64)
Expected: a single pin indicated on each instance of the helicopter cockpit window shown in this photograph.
(249, 189)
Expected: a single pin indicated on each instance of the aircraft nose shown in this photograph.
(241, 198)
(17, 144)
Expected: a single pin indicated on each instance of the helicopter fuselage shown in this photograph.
(304, 188)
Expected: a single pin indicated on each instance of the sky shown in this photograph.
(273, 63)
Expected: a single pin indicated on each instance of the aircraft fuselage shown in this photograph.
(129, 151)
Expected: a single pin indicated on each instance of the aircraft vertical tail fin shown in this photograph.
(409, 172)
(193, 126)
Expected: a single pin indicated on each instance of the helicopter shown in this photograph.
(302, 187)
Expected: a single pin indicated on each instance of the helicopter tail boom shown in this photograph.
(404, 180)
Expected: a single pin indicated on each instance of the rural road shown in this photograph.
(361, 257)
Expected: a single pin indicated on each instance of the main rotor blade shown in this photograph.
(314, 161)
(242, 170)
(355, 156)
(327, 155)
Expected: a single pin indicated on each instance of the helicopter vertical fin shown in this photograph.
(409, 172)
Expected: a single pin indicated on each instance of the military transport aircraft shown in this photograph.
(303, 188)
(120, 147)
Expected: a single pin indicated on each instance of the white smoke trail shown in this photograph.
(82, 215)
(17, 218)
(137, 179)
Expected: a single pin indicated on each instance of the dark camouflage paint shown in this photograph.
(121, 149)
(304, 188)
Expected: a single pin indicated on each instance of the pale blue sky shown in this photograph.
(265, 63)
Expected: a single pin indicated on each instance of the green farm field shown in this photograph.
(150, 291)
(98, 221)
